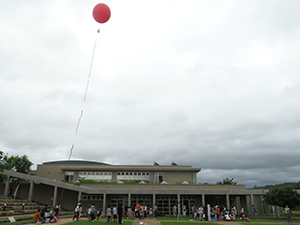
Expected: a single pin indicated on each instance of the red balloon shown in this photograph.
(101, 13)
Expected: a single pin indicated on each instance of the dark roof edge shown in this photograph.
(74, 162)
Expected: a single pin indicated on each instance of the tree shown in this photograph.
(16, 163)
(227, 181)
(3, 165)
(19, 164)
(282, 197)
(297, 185)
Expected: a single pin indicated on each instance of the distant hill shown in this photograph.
(294, 185)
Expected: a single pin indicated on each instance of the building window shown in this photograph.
(158, 178)
(69, 176)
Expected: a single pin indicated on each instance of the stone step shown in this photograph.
(26, 207)
(17, 203)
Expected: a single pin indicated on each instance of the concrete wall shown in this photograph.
(53, 172)
(172, 174)
(42, 194)
(176, 177)
(167, 186)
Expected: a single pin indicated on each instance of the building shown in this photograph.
(77, 170)
(164, 186)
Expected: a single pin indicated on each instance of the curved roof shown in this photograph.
(74, 162)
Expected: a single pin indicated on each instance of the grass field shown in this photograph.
(261, 220)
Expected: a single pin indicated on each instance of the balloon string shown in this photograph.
(91, 66)
(81, 114)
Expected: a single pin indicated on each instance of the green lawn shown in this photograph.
(183, 223)
(86, 222)
(262, 223)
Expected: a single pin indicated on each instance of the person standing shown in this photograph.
(132, 211)
(108, 212)
(137, 207)
(205, 212)
(57, 210)
(150, 213)
(253, 212)
(184, 211)
(145, 211)
(77, 212)
(174, 210)
(155, 210)
(287, 210)
(115, 214)
(242, 212)
(120, 211)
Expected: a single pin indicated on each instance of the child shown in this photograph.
(246, 218)
(141, 213)
(115, 214)
(136, 214)
(128, 213)
(99, 215)
(108, 211)
(77, 212)
(150, 213)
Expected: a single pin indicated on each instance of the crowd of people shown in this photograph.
(45, 215)
(140, 212)
(214, 213)
(116, 212)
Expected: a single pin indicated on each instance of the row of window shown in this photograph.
(95, 173)
(91, 197)
(110, 173)
(133, 173)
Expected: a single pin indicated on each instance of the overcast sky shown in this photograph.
(212, 84)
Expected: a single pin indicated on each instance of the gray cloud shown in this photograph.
(214, 85)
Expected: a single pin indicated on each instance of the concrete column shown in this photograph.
(179, 205)
(238, 204)
(129, 200)
(7, 186)
(54, 196)
(277, 212)
(252, 199)
(227, 202)
(266, 207)
(262, 205)
(104, 203)
(203, 199)
(154, 203)
(79, 196)
(30, 191)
